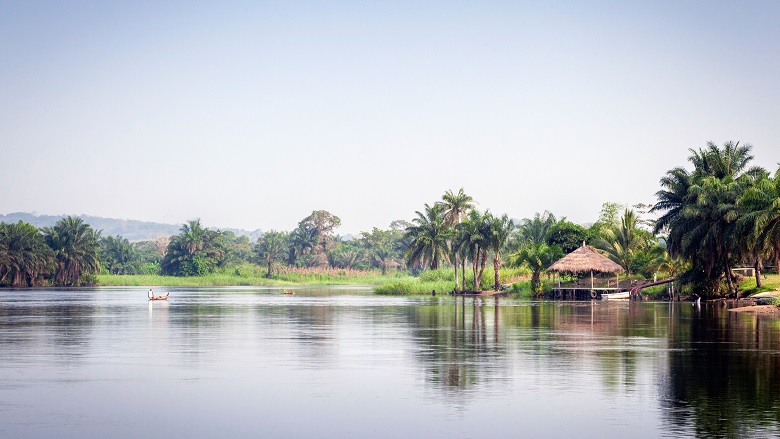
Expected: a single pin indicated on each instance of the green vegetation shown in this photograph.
(253, 275)
(771, 283)
(441, 281)
(721, 214)
(718, 215)
(65, 254)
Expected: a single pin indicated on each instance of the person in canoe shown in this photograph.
(150, 294)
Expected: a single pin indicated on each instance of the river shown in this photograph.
(339, 362)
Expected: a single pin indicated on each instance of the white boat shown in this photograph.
(616, 296)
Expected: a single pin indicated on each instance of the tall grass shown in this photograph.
(254, 275)
(443, 280)
(414, 286)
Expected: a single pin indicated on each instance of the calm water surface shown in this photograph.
(342, 363)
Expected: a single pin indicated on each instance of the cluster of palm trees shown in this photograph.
(453, 231)
(721, 213)
(65, 254)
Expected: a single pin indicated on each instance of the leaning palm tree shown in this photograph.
(429, 237)
(76, 248)
(455, 208)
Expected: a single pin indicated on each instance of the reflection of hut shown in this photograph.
(583, 260)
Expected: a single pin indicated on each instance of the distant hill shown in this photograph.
(133, 230)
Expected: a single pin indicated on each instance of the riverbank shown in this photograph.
(242, 276)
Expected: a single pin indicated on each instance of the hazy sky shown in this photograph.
(253, 114)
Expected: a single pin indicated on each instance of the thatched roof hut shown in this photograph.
(583, 260)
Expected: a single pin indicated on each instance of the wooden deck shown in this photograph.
(480, 293)
(581, 292)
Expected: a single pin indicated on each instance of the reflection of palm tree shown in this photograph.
(429, 236)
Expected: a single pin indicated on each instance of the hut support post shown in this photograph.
(591, 279)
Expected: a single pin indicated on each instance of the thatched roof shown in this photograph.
(584, 260)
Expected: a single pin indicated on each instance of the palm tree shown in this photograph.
(537, 256)
(118, 255)
(429, 237)
(624, 241)
(195, 251)
(272, 247)
(701, 211)
(500, 229)
(301, 241)
(192, 236)
(382, 255)
(476, 233)
(535, 230)
(75, 246)
(760, 223)
(673, 199)
(24, 255)
(455, 208)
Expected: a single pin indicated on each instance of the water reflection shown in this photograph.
(400, 365)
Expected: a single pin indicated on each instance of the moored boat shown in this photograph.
(624, 295)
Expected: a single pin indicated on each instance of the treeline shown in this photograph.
(720, 214)
(64, 255)
(453, 232)
(71, 253)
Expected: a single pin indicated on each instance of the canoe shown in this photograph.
(163, 296)
(612, 296)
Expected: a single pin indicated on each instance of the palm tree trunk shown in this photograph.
(482, 264)
(536, 282)
(463, 272)
(757, 269)
(474, 263)
(496, 271)
(455, 265)
(728, 276)
(270, 263)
